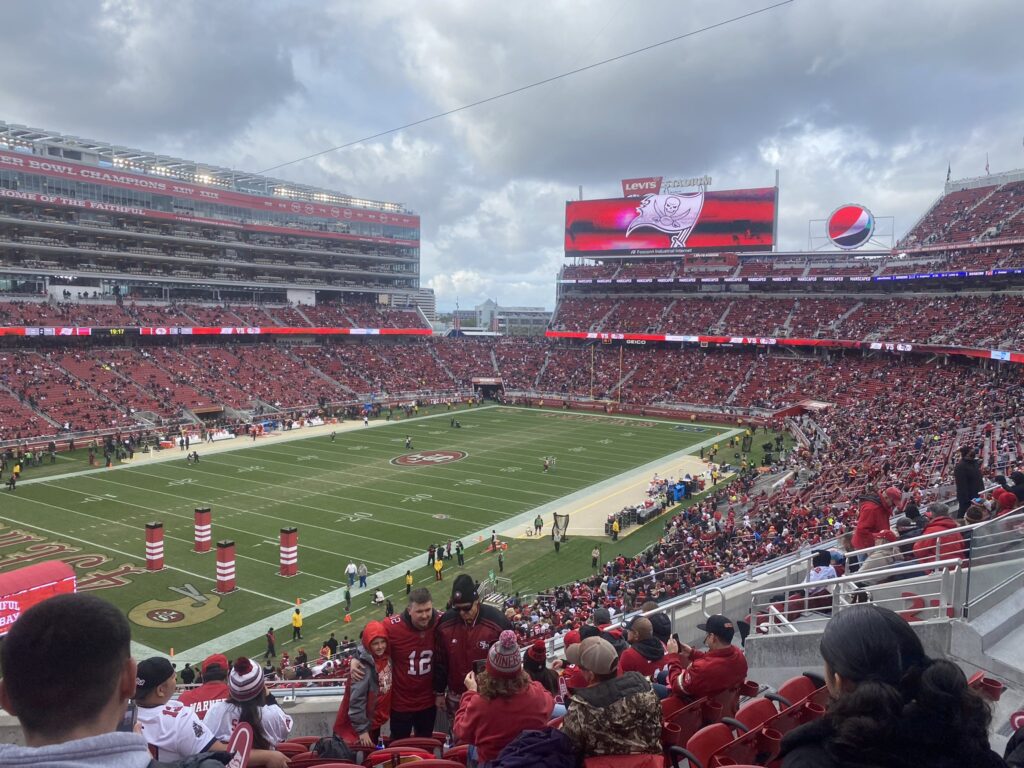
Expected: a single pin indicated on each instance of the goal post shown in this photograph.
(560, 526)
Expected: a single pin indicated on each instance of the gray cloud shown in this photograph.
(865, 102)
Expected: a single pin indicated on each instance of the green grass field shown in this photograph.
(350, 502)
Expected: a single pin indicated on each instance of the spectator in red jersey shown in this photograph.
(694, 673)
(465, 634)
(214, 688)
(645, 652)
(411, 644)
(366, 705)
(949, 546)
(500, 703)
(873, 516)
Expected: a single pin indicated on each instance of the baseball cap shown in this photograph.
(464, 589)
(151, 673)
(572, 637)
(601, 617)
(217, 659)
(595, 654)
(718, 625)
(661, 625)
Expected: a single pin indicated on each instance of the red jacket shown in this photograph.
(458, 645)
(366, 705)
(951, 546)
(708, 673)
(872, 519)
(491, 724)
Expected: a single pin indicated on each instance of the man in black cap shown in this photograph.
(693, 674)
(465, 634)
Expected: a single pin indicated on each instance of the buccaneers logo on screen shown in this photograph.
(674, 213)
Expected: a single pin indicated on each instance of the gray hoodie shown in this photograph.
(110, 750)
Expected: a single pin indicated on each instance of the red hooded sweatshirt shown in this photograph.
(950, 547)
(366, 705)
(872, 519)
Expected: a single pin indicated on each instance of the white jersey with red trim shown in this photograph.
(173, 731)
(222, 718)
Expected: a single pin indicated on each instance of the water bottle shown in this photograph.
(380, 743)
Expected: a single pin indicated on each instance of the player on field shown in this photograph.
(408, 443)
(411, 641)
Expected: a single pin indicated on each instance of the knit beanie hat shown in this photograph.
(536, 657)
(503, 660)
(246, 680)
(464, 590)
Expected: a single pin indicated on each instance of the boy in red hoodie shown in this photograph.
(366, 705)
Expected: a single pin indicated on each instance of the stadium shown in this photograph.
(148, 299)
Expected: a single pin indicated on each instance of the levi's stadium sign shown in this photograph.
(652, 185)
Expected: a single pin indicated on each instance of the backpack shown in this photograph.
(549, 748)
(334, 748)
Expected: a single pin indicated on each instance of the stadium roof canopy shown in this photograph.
(23, 138)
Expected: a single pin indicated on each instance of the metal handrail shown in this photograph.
(895, 570)
(960, 529)
(947, 574)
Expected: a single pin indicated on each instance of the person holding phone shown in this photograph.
(464, 634)
(693, 673)
(500, 701)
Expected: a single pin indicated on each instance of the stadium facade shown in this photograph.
(81, 217)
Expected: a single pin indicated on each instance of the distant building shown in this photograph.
(511, 321)
(423, 298)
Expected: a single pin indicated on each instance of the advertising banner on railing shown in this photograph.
(769, 341)
(72, 331)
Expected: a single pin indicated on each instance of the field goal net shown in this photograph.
(561, 525)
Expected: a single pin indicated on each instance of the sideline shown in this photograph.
(334, 598)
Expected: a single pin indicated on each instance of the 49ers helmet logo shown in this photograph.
(428, 458)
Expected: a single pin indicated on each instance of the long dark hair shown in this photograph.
(251, 712)
(902, 701)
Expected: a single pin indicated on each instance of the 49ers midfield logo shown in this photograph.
(428, 458)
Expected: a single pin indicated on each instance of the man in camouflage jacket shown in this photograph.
(612, 715)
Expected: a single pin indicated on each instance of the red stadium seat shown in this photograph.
(458, 754)
(387, 755)
(306, 741)
(625, 761)
(290, 748)
(417, 742)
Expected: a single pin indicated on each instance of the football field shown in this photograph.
(362, 497)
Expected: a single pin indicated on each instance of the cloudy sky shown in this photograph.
(852, 100)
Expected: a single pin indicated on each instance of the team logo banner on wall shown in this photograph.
(670, 222)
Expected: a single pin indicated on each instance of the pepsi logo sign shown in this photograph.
(850, 226)
(428, 458)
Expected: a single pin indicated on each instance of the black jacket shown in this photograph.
(812, 746)
(967, 475)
